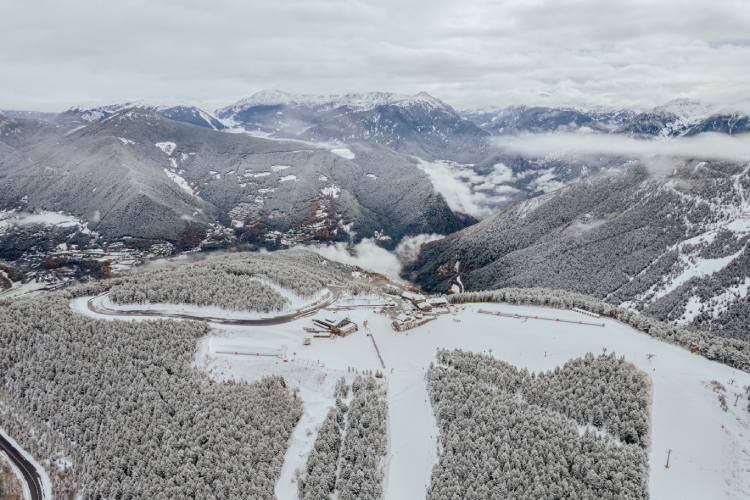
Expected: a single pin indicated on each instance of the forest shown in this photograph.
(244, 282)
(579, 431)
(123, 402)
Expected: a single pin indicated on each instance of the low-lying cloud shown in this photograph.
(368, 255)
(468, 192)
(703, 146)
(409, 247)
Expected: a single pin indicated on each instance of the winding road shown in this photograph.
(29, 472)
(309, 309)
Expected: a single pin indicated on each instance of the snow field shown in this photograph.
(710, 447)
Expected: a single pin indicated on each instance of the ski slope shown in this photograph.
(710, 455)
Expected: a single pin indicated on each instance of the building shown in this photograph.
(423, 306)
(413, 297)
(438, 302)
(342, 328)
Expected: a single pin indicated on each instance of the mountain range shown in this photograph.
(681, 117)
(277, 169)
(418, 125)
(147, 173)
(464, 143)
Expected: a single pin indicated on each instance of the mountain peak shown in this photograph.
(687, 109)
(424, 97)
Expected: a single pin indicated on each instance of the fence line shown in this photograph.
(545, 318)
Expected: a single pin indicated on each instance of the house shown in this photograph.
(423, 306)
(407, 322)
(438, 301)
(345, 327)
(413, 297)
(342, 328)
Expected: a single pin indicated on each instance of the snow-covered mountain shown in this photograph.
(680, 117)
(466, 167)
(538, 119)
(356, 101)
(83, 114)
(16, 132)
(419, 125)
(459, 157)
(133, 172)
(674, 246)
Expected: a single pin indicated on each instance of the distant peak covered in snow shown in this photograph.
(359, 101)
(688, 109)
(89, 113)
(94, 112)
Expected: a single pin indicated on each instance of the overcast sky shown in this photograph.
(613, 53)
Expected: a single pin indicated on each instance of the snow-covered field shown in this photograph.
(710, 455)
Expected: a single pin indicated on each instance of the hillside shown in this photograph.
(135, 173)
(671, 244)
(592, 412)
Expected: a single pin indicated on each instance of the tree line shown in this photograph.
(321, 467)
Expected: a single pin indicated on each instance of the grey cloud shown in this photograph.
(550, 52)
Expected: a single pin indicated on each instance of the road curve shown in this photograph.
(275, 320)
(29, 472)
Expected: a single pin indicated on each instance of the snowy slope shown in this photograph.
(645, 239)
(710, 447)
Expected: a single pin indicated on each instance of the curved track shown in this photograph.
(29, 472)
(275, 320)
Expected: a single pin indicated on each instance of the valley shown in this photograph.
(198, 246)
(375, 250)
